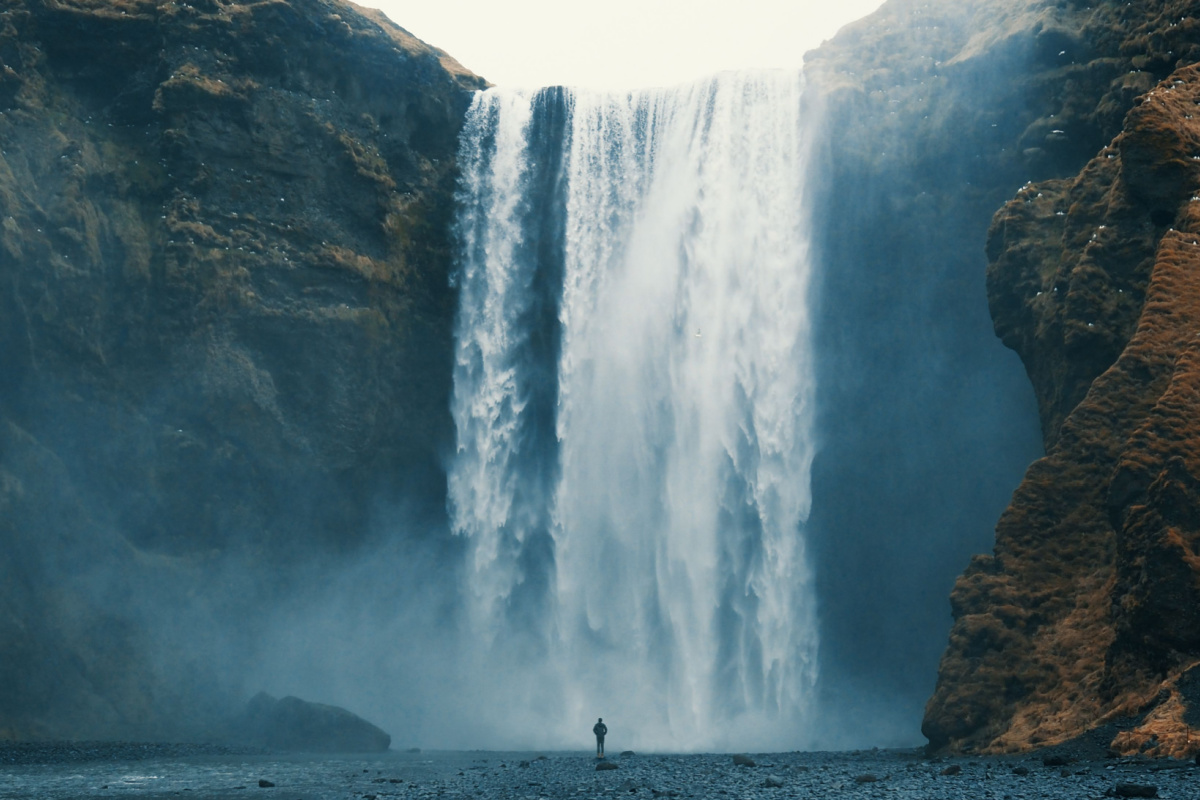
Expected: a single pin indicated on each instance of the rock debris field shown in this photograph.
(77, 771)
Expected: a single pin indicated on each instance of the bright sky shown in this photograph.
(621, 44)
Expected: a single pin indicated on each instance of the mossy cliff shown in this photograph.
(937, 113)
(1084, 614)
(225, 320)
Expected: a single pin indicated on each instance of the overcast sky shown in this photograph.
(621, 44)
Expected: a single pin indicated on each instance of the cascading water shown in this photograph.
(633, 398)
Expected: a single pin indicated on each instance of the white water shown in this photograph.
(670, 589)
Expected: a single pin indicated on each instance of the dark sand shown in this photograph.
(151, 772)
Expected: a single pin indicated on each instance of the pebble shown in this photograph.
(150, 772)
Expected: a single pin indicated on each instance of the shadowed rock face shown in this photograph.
(935, 114)
(292, 724)
(225, 319)
(1086, 611)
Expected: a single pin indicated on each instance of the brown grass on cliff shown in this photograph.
(1090, 608)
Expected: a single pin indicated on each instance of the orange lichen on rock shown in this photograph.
(1089, 609)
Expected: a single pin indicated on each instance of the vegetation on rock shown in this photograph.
(1085, 613)
(225, 322)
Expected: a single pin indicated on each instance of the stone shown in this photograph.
(1020, 770)
(1133, 790)
(1089, 602)
(605, 766)
(626, 753)
(292, 724)
(773, 782)
(744, 761)
(866, 778)
(265, 784)
(953, 769)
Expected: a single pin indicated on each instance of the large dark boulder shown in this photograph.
(300, 726)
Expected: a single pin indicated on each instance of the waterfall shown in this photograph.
(634, 405)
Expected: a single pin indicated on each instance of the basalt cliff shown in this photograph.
(224, 323)
(937, 114)
(1081, 622)
(1084, 616)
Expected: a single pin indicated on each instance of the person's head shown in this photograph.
(601, 719)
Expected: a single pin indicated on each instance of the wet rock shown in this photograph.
(265, 784)
(744, 761)
(1055, 761)
(1020, 770)
(773, 782)
(604, 766)
(1132, 790)
(627, 753)
(241, 226)
(296, 725)
(953, 769)
(866, 778)
(628, 785)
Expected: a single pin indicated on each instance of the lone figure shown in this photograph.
(600, 729)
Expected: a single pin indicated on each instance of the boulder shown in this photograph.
(297, 725)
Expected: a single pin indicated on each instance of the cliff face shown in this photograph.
(935, 114)
(224, 321)
(1085, 614)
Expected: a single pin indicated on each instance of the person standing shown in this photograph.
(600, 729)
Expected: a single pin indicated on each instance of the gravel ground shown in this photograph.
(78, 771)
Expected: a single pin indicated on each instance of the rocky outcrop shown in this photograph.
(292, 724)
(224, 323)
(1085, 614)
(936, 114)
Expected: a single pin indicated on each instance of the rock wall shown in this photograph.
(1084, 617)
(935, 115)
(225, 326)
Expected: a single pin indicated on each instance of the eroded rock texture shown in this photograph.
(224, 322)
(936, 114)
(1086, 613)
